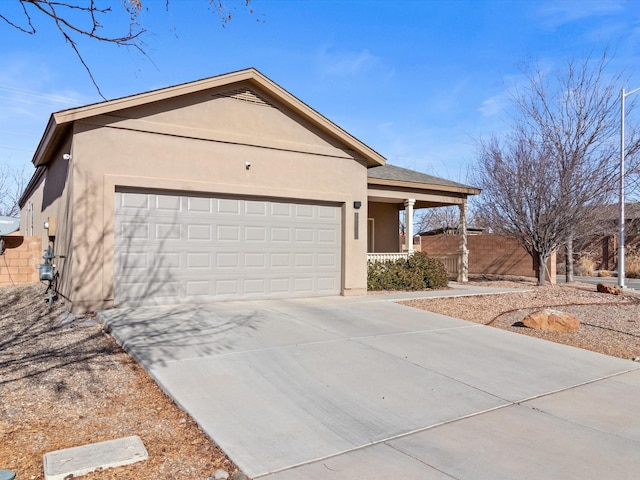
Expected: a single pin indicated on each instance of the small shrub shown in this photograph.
(431, 270)
(604, 273)
(585, 266)
(632, 266)
(418, 273)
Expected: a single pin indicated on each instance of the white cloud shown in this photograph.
(342, 63)
(493, 106)
(23, 95)
(555, 13)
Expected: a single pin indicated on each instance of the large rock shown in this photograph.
(554, 320)
(612, 289)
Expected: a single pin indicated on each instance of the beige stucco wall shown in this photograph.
(50, 201)
(185, 150)
(386, 224)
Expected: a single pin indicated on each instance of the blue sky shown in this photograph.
(417, 81)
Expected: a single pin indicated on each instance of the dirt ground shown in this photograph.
(64, 382)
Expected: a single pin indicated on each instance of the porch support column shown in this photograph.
(408, 227)
(463, 268)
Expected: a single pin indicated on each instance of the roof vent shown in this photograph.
(244, 95)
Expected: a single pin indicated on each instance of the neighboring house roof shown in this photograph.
(403, 177)
(448, 231)
(612, 212)
(60, 122)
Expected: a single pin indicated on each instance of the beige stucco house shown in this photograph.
(223, 188)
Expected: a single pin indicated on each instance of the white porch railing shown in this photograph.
(452, 261)
(386, 257)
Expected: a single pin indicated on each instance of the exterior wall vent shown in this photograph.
(244, 95)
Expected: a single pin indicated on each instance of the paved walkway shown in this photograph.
(364, 388)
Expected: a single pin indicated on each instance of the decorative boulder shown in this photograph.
(553, 320)
(612, 289)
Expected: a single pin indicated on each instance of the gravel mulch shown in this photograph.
(64, 383)
(610, 324)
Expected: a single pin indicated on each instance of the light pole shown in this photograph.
(623, 95)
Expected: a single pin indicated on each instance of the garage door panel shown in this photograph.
(228, 260)
(198, 260)
(326, 284)
(255, 234)
(280, 235)
(280, 260)
(229, 287)
(227, 233)
(172, 248)
(135, 231)
(303, 284)
(255, 208)
(255, 260)
(304, 234)
(327, 236)
(303, 260)
(131, 292)
(327, 213)
(198, 288)
(166, 203)
(278, 286)
(327, 260)
(198, 205)
(280, 209)
(134, 202)
(227, 206)
(168, 231)
(131, 261)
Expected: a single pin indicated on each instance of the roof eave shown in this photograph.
(442, 188)
(250, 75)
(30, 186)
(51, 132)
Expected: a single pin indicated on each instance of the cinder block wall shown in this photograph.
(488, 253)
(18, 263)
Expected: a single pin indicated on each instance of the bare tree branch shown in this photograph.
(12, 183)
(75, 19)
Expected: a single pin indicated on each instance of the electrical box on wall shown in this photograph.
(50, 225)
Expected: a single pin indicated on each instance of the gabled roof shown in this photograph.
(60, 122)
(391, 175)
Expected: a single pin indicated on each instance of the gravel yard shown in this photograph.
(609, 324)
(64, 382)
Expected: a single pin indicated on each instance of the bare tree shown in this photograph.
(438, 218)
(75, 19)
(12, 183)
(446, 217)
(543, 183)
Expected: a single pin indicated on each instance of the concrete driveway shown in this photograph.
(361, 387)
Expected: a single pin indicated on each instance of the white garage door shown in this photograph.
(177, 248)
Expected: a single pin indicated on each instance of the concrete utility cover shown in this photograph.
(81, 460)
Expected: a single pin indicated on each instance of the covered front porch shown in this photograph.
(393, 190)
